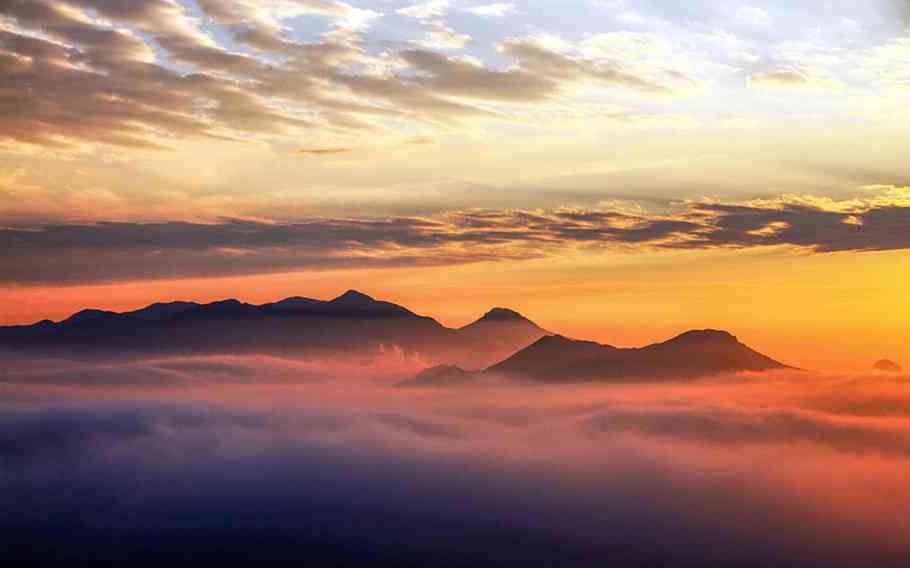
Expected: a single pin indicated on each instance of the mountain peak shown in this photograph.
(503, 314)
(353, 297)
(161, 311)
(697, 353)
(888, 366)
(555, 339)
(702, 336)
(294, 301)
(548, 343)
(87, 314)
(440, 375)
(228, 302)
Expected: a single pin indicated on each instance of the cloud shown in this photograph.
(80, 74)
(743, 427)
(440, 36)
(793, 79)
(755, 16)
(425, 10)
(85, 83)
(323, 151)
(124, 250)
(494, 10)
(878, 227)
(537, 58)
(348, 471)
(332, 151)
(413, 141)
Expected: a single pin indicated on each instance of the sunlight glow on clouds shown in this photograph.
(70, 253)
(143, 75)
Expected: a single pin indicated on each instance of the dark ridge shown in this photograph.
(14, 332)
(702, 336)
(294, 301)
(888, 366)
(217, 310)
(161, 311)
(353, 303)
(694, 354)
(498, 316)
(547, 356)
(293, 306)
(86, 315)
(353, 297)
(498, 334)
(503, 314)
(353, 325)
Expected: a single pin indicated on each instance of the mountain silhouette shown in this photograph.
(888, 366)
(442, 375)
(499, 331)
(693, 354)
(502, 343)
(351, 324)
(558, 359)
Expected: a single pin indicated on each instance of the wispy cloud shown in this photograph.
(426, 10)
(144, 77)
(493, 10)
(340, 150)
(794, 79)
(324, 151)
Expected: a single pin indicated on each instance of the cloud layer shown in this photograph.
(79, 73)
(117, 251)
(740, 471)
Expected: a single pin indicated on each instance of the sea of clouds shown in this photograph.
(257, 460)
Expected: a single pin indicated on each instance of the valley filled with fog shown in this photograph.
(262, 459)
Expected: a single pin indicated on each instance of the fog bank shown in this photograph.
(240, 459)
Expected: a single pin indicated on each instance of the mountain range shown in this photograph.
(502, 343)
(558, 359)
(351, 324)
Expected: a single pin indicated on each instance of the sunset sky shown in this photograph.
(617, 170)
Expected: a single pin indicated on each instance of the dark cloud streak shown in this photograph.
(125, 250)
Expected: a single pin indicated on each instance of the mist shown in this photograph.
(259, 459)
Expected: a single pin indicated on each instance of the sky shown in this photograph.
(619, 170)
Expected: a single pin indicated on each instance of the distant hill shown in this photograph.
(353, 323)
(692, 354)
(888, 366)
(557, 359)
(499, 331)
(442, 375)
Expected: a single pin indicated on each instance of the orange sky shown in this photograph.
(826, 312)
